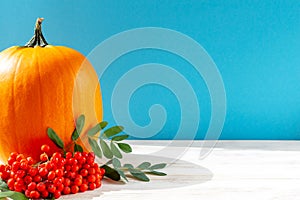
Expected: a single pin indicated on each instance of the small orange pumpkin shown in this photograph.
(44, 86)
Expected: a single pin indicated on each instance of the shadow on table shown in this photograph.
(180, 174)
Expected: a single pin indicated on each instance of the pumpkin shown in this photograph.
(44, 86)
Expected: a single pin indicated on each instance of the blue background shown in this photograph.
(255, 44)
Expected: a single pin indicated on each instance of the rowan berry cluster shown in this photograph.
(53, 176)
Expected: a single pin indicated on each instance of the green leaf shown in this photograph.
(105, 148)
(75, 135)
(93, 131)
(138, 175)
(156, 173)
(78, 148)
(128, 166)
(112, 131)
(115, 150)
(18, 196)
(120, 137)
(158, 166)
(111, 173)
(13, 195)
(54, 137)
(80, 123)
(6, 194)
(103, 124)
(144, 165)
(125, 147)
(3, 185)
(95, 147)
(122, 174)
(116, 163)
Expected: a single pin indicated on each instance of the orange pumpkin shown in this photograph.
(44, 86)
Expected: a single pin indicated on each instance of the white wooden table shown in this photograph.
(254, 170)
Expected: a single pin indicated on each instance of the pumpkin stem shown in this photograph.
(38, 38)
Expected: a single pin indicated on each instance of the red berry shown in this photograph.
(74, 189)
(56, 155)
(95, 165)
(11, 160)
(29, 160)
(67, 182)
(10, 182)
(60, 187)
(4, 175)
(37, 178)
(18, 187)
(31, 186)
(75, 168)
(51, 175)
(43, 172)
(57, 194)
(84, 172)
(69, 155)
(45, 194)
(27, 193)
(91, 171)
(78, 176)
(45, 148)
(98, 176)
(84, 181)
(83, 188)
(82, 160)
(13, 155)
(98, 183)
(51, 188)
(33, 171)
(77, 155)
(43, 157)
(20, 174)
(15, 166)
(41, 186)
(72, 161)
(2, 168)
(28, 179)
(78, 181)
(59, 172)
(91, 178)
(86, 166)
(68, 167)
(54, 160)
(20, 157)
(72, 175)
(24, 165)
(49, 166)
(84, 154)
(57, 181)
(12, 174)
(67, 190)
(92, 186)
(91, 155)
(34, 194)
(90, 160)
